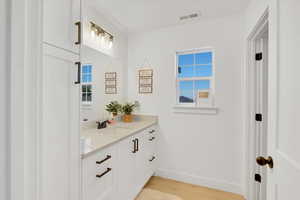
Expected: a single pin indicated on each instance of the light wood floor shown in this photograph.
(188, 191)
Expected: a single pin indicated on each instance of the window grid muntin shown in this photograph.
(87, 83)
(195, 78)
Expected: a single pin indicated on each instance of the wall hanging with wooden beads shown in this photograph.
(145, 81)
(111, 83)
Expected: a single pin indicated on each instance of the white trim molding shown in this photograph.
(195, 110)
(201, 181)
(26, 34)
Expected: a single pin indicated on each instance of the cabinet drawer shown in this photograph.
(151, 134)
(99, 171)
(99, 161)
(99, 186)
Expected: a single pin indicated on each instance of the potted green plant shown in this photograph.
(113, 107)
(127, 110)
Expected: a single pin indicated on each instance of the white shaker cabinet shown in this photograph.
(132, 166)
(59, 24)
(127, 150)
(99, 175)
(141, 162)
(59, 149)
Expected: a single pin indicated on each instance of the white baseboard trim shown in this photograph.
(201, 181)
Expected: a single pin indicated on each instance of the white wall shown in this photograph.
(201, 149)
(114, 60)
(4, 7)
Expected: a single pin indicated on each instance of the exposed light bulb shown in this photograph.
(102, 38)
(110, 43)
(93, 33)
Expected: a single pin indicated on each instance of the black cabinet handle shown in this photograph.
(152, 131)
(134, 146)
(78, 24)
(137, 145)
(102, 161)
(78, 72)
(104, 173)
(153, 158)
(151, 139)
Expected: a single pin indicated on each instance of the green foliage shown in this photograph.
(128, 108)
(113, 107)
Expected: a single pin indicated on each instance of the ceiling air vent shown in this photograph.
(190, 16)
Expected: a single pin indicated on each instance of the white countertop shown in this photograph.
(94, 139)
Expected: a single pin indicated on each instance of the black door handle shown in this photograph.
(78, 72)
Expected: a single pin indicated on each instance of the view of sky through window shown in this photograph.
(86, 88)
(190, 67)
(86, 73)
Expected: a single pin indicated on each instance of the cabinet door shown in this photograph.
(59, 21)
(141, 161)
(60, 151)
(126, 169)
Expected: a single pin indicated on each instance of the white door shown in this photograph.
(59, 149)
(126, 168)
(60, 29)
(284, 108)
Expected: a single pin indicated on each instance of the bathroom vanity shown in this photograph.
(119, 160)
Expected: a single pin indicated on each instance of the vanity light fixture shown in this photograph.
(106, 39)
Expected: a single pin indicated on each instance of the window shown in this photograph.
(86, 84)
(195, 78)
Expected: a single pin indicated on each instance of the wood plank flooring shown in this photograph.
(188, 191)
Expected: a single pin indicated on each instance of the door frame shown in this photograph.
(270, 14)
(25, 61)
(251, 93)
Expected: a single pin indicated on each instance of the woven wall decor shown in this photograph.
(111, 83)
(145, 81)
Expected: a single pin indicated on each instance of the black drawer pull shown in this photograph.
(102, 161)
(152, 131)
(153, 158)
(151, 139)
(104, 173)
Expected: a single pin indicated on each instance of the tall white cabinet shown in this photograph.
(61, 27)
(59, 155)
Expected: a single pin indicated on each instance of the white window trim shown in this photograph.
(87, 104)
(192, 108)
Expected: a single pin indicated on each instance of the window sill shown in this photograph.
(86, 106)
(195, 110)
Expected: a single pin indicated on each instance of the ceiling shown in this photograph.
(141, 15)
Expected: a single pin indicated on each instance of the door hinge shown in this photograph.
(258, 56)
(257, 178)
(258, 117)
